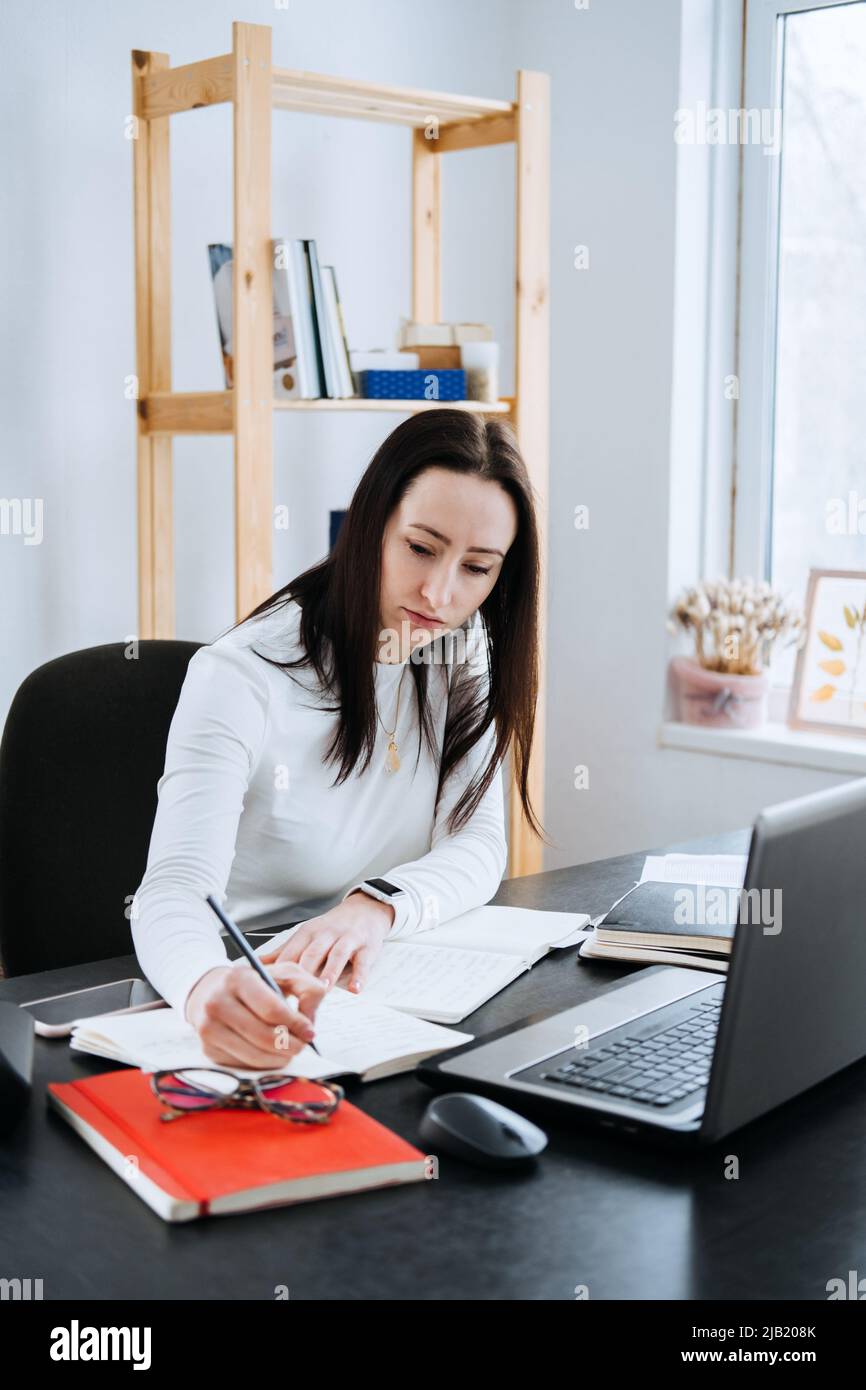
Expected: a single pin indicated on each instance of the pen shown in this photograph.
(239, 938)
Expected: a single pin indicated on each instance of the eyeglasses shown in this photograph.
(191, 1091)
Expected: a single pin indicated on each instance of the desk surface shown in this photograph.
(628, 1222)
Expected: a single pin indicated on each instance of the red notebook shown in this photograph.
(229, 1160)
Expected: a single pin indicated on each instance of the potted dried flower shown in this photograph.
(735, 623)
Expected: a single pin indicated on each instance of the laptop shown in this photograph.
(689, 1055)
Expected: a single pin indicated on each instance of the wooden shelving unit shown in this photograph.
(439, 123)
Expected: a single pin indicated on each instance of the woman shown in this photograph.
(417, 634)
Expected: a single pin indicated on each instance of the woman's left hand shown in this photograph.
(350, 934)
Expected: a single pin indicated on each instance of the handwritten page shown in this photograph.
(357, 1033)
(352, 1034)
(438, 980)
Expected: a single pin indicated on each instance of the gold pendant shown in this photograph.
(392, 759)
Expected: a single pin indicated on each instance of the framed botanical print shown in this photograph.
(829, 690)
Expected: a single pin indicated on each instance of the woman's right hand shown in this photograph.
(242, 1023)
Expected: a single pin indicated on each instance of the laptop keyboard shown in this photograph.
(656, 1069)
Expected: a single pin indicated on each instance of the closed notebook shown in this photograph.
(669, 924)
(229, 1160)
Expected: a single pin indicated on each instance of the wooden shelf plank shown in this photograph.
(461, 122)
(210, 412)
(252, 317)
(501, 407)
(297, 90)
(532, 418)
(165, 92)
(426, 229)
(472, 135)
(152, 231)
(187, 412)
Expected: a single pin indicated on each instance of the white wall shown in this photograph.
(68, 432)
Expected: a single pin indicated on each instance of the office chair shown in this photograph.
(81, 754)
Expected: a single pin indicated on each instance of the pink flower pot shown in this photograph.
(718, 700)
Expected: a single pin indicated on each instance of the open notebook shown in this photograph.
(353, 1035)
(445, 973)
(393, 1024)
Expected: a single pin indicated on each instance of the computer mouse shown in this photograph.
(480, 1131)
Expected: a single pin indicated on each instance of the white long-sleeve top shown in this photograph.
(246, 810)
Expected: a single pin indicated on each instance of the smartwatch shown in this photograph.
(383, 890)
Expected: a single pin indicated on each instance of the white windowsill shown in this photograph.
(774, 743)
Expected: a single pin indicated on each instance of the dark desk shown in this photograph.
(628, 1222)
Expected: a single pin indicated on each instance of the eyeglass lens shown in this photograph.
(196, 1089)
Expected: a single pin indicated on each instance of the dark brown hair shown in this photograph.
(340, 614)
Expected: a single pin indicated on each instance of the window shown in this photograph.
(800, 485)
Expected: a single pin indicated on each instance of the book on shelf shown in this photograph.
(292, 301)
(337, 334)
(321, 337)
(311, 357)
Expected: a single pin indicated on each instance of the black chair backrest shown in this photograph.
(82, 752)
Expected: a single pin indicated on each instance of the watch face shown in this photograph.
(384, 886)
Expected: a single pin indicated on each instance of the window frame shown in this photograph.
(751, 492)
(725, 309)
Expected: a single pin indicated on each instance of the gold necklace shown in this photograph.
(392, 757)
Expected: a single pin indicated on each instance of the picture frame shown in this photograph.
(829, 690)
